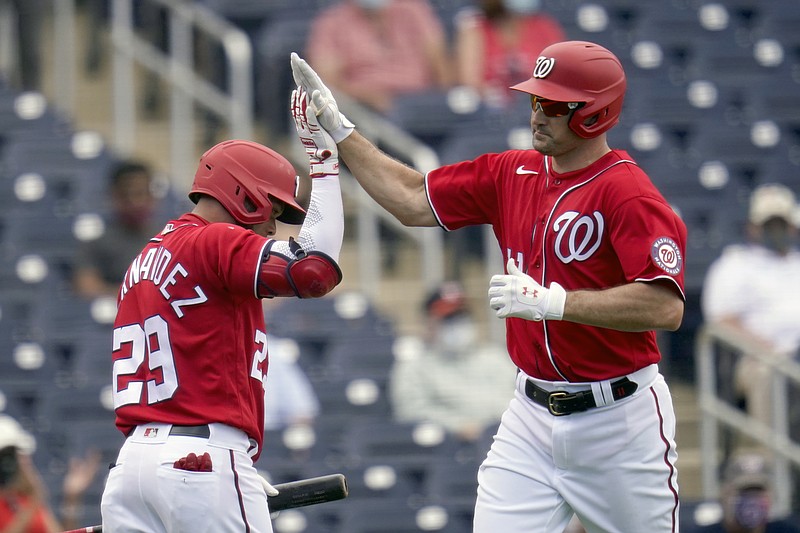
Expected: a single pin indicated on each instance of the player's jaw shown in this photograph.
(551, 135)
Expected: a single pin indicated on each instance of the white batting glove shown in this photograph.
(269, 489)
(325, 107)
(517, 295)
(323, 156)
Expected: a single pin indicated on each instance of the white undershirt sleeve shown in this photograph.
(323, 228)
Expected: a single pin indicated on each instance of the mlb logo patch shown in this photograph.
(150, 432)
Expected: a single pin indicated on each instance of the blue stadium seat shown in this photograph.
(77, 177)
(378, 481)
(360, 356)
(467, 143)
(710, 229)
(409, 447)
(353, 396)
(91, 353)
(274, 41)
(429, 116)
(452, 482)
(315, 323)
(321, 518)
(368, 516)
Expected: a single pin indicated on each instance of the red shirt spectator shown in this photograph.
(497, 44)
(372, 50)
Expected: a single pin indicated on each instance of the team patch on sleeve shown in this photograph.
(667, 255)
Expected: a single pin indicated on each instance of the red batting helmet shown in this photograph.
(580, 71)
(244, 177)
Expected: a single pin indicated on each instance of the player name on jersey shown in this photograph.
(150, 266)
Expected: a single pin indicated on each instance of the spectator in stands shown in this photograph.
(290, 398)
(745, 499)
(100, 264)
(30, 15)
(453, 379)
(755, 288)
(372, 50)
(23, 501)
(497, 43)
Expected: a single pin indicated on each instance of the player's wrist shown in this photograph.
(328, 167)
(342, 129)
(556, 301)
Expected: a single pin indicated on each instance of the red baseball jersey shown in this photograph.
(190, 346)
(602, 226)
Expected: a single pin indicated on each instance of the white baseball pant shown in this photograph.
(613, 466)
(146, 493)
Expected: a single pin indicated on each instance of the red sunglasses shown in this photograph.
(552, 108)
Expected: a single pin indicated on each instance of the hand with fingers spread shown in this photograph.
(323, 156)
(325, 107)
(518, 295)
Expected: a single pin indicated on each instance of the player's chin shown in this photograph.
(542, 143)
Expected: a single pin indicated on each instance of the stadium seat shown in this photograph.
(409, 447)
(274, 41)
(320, 518)
(362, 356)
(368, 516)
(429, 116)
(709, 230)
(452, 482)
(354, 396)
(91, 361)
(73, 166)
(315, 323)
(28, 115)
(466, 143)
(379, 481)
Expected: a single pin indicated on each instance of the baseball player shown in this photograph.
(190, 352)
(595, 265)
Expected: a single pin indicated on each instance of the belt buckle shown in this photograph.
(555, 395)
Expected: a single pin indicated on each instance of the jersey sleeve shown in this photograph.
(650, 241)
(234, 255)
(465, 193)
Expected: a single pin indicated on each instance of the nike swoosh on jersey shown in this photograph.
(522, 170)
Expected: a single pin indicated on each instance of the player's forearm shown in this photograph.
(323, 228)
(632, 307)
(395, 186)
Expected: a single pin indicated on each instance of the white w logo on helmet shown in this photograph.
(544, 65)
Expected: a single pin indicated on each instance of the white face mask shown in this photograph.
(523, 7)
(372, 4)
(456, 336)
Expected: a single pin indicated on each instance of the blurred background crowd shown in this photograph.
(105, 106)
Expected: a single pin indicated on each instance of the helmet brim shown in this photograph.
(292, 215)
(549, 90)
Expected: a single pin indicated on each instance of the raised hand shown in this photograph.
(325, 107)
(323, 156)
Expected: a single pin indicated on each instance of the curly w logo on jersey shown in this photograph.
(578, 237)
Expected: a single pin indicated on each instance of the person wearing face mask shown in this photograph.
(373, 50)
(745, 499)
(755, 288)
(497, 42)
(453, 378)
(101, 263)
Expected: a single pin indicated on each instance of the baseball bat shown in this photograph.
(292, 494)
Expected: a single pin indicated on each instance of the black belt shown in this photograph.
(561, 403)
(190, 431)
